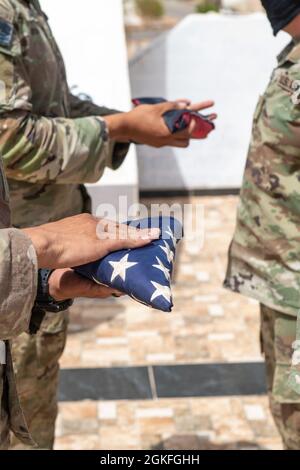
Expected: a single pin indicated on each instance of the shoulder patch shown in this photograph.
(6, 33)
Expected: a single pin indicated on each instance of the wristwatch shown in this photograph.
(44, 301)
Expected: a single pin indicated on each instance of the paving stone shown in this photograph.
(221, 337)
(78, 442)
(255, 413)
(107, 411)
(202, 276)
(152, 413)
(167, 358)
(216, 310)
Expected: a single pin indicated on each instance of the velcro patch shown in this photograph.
(289, 85)
(6, 33)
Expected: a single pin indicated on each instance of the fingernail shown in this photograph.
(154, 233)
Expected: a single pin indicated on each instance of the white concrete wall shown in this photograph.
(223, 57)
(91, 36)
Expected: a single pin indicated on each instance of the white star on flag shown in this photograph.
(120, 268)
(162, 268)
(172, 237)
(168, 251)
(160, 290)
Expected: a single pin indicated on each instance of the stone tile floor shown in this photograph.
(208, 325)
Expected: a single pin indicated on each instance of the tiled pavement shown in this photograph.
(208, 325)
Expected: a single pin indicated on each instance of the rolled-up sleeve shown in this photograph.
(80, 108)
(18, 281)
(40, 149)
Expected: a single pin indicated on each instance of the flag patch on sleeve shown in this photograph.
(6, 33)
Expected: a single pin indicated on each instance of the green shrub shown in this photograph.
(150, 8)
(207, 6)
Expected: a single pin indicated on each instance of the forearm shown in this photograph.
(118, 122)
(118, 127)
(119, 144)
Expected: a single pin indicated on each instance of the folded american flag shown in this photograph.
(144, 273)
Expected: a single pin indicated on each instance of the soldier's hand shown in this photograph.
(66, 284)
(145, 124)
(82, 239)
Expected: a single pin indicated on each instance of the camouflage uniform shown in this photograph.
(264, 258)
(51, 143)
(278, 332)
(18, 281)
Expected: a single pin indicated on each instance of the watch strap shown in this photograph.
(44, 300)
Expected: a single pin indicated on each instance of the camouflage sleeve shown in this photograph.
(37, 148)
(18, 281)
(85, 107)
(40, 149)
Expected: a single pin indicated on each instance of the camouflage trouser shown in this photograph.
(36, 360)
(278, 333)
